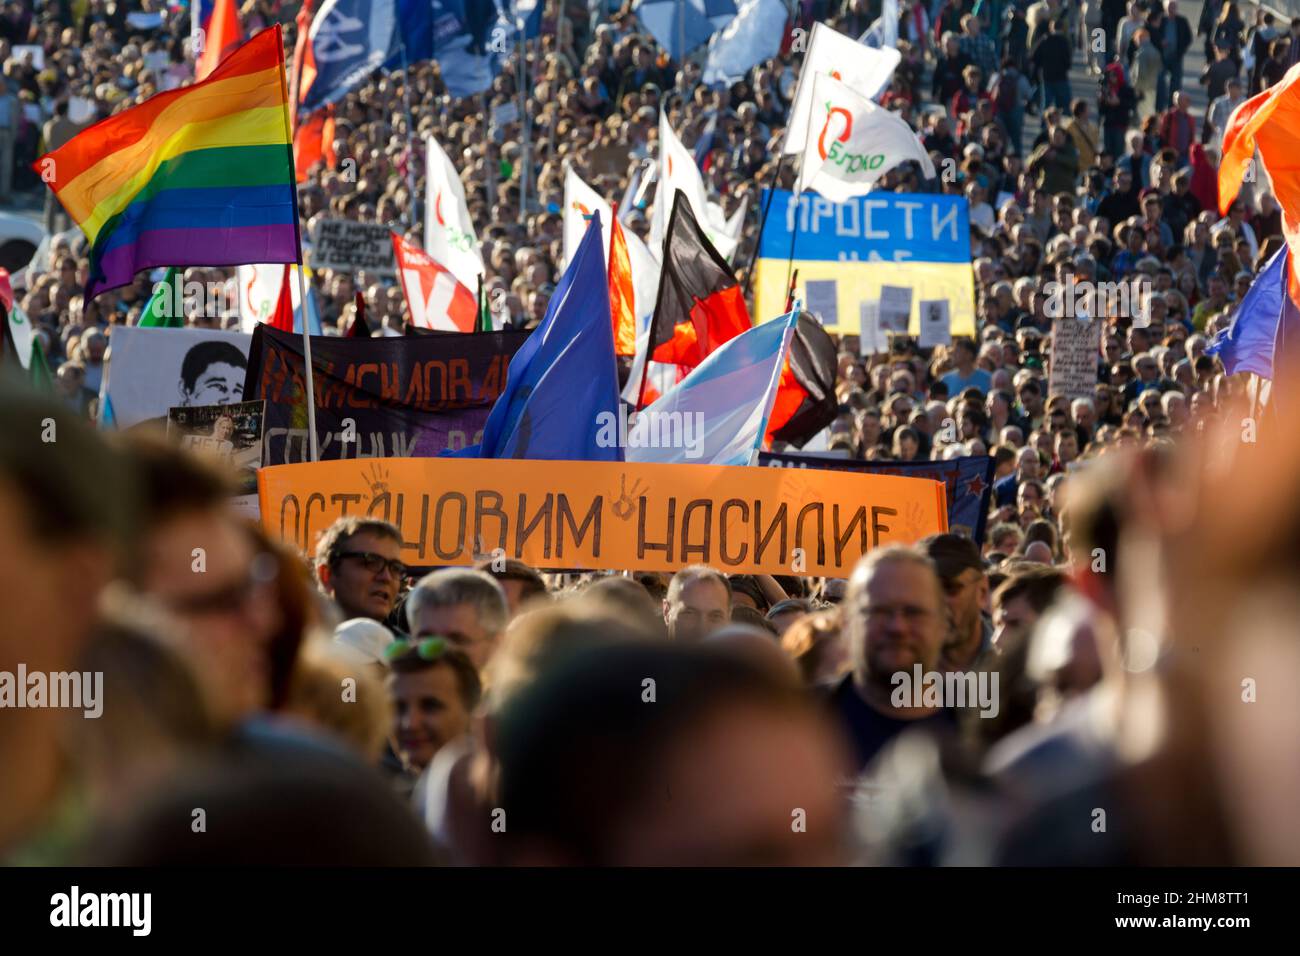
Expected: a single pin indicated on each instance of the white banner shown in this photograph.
(152, 370)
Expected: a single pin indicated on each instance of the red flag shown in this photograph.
(224, 34)
(359, 329)
(700, 304)
(313, 142)
(1269, 122)
(805, 401)
(620, 291)
(435, 298)
(282, 317)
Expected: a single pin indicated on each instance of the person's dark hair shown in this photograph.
(952, 554)
(72, 485)
(966, 345)
(1039, 530)
(198, 358)
(328, 810)
(745, 584)
(334, 539)
(468, 684)
(1037, 585)
(515, 570)
(173, 482)
(578, 749)
(741, 614)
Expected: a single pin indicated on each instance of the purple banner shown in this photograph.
(409, 397)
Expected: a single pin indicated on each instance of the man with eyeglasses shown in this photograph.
(202, 568)
(359, 566)
(67, 520)
(894, 618)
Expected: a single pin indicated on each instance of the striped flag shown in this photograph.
(200, 176)
(723, 405)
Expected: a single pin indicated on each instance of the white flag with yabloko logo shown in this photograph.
(449, 236)
(853, 143)
(863, 69)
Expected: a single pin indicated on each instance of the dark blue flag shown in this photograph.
(968, 481)
(562, 387)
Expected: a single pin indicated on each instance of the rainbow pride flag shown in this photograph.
(200, 176)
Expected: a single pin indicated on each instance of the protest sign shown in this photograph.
(872, 340)
(968, 482)
(895, 309)
(899, 240)
(823, 301)
(231, 434)
(588, 514)
(32, 52)
(936, 324)
(1076, 349)
(155, 369)
(353, 247)
(412, 396)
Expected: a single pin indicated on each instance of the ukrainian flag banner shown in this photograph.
(846, 252)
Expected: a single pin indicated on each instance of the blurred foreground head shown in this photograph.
(656, 754)
(239, 602)
(67, 505)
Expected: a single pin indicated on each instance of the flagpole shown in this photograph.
(523, 116)
(762, 221)
(798, 191)
(492, 169)
(302, 263)
(410, 139)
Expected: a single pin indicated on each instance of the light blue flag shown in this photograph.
(313, 314)
(562, 387)
(1247, 345)
(754, 35)
(718, 414)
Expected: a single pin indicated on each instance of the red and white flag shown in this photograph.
(436, 299)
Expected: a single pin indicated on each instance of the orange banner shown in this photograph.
(597, 515)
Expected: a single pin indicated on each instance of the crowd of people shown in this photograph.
(502, 714)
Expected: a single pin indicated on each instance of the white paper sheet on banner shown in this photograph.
(23, 51)
(822, 300)
(936, 323)
(895, 308)
(153, 370)
(872, 340)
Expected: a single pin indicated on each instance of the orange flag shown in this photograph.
(313, 142)
(224, 34)
(620, 290)
(1268, 122)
